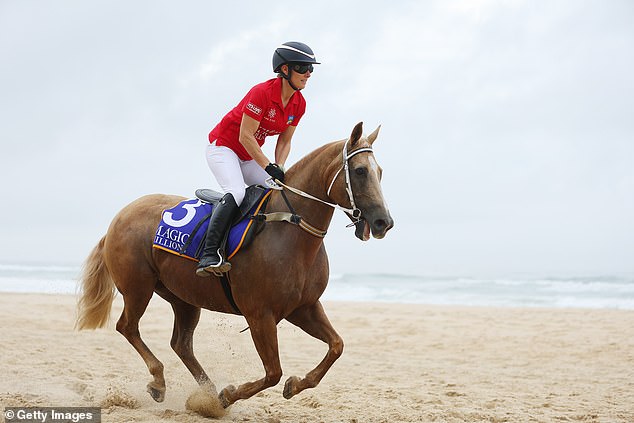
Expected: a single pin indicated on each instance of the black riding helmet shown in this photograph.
(292, 52)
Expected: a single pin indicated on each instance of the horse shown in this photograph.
(280, 275)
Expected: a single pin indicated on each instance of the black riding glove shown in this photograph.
(275, 171)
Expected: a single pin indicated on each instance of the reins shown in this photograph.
(353, 212)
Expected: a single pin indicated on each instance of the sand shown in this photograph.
(402, 363)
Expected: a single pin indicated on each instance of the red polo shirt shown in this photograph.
(264, 104)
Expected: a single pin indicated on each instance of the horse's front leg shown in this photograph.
(313, 321)
(264, 334)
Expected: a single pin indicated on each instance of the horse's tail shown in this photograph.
(97, 291)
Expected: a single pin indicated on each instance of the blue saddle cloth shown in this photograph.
(183, 228)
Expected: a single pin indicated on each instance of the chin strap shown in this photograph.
(288, 78)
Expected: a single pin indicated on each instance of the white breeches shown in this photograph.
(233, 174)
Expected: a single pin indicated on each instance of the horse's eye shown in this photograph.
(360, 171)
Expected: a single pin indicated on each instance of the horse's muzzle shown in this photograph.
(381, 226)
(378, 226)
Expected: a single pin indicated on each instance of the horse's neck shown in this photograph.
(309, 175)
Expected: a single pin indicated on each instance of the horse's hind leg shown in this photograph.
(134, 305)
(186, 317)
(313, 321)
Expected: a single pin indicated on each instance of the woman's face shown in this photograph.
(299, 79)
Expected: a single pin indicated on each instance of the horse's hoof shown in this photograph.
(157, 394)
(288, 387)
(226, 402)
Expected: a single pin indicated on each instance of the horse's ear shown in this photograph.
(373, 135)
(357, 132)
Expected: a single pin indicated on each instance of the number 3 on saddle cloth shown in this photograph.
(183, 228)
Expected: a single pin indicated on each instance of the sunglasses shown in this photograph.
(302, 68)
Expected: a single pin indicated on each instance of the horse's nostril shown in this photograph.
(384, 224)
(380, 224)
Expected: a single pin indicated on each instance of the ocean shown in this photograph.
(613, 292)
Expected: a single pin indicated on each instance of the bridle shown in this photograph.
(354, 212)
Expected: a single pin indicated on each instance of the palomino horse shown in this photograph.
(281, 275)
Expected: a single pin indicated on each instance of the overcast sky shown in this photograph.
(507, 136)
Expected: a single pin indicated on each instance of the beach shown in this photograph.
(401, 363)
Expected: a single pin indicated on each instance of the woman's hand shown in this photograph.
(275, 171)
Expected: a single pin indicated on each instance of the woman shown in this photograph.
(234, 155)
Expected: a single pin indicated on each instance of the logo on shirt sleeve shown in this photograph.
(253, 108)
(290, 120)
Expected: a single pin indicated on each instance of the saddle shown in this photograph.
(182, 228)
(252, 197)
(247, 212)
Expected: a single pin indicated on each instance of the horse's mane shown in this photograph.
(310, 157)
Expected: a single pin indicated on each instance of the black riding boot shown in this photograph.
(212, 260)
